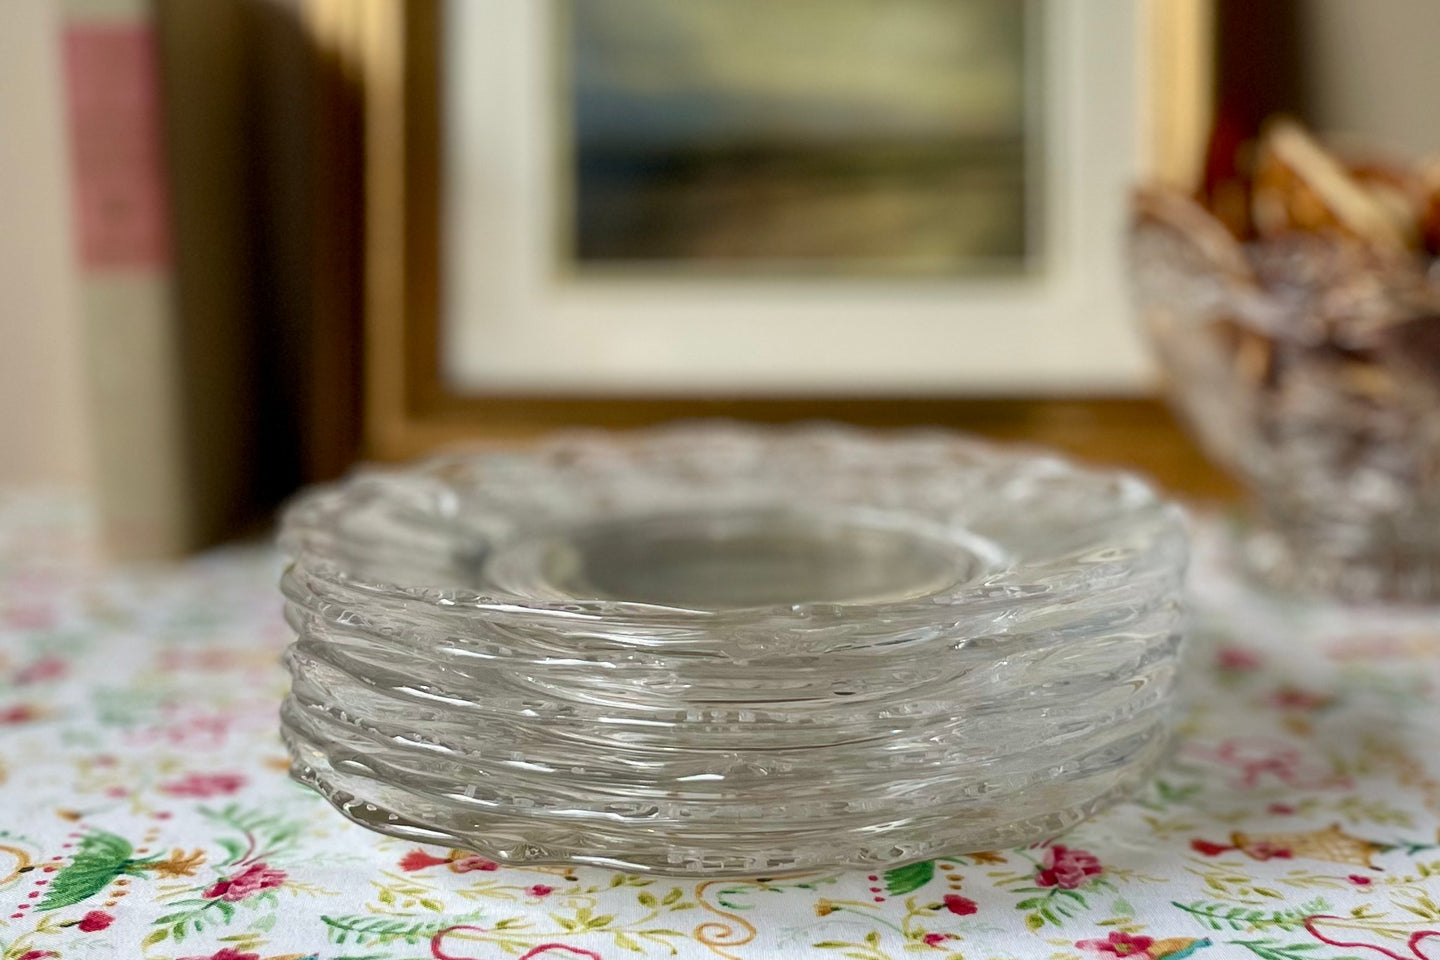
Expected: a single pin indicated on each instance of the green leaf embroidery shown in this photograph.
(233, 848)
(194, 917)
(1273, 950)
(101, 858)
(371, 931)
(1220, 916)
(909, 878)
(276, 834)
(657, 935)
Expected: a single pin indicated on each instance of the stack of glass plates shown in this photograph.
(716, 649)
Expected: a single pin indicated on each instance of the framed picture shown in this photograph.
(612, 212)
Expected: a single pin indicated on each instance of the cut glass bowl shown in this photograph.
(715, 649)
(1309, 368)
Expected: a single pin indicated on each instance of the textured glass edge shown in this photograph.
(308, 767)
(628, 736)
(309, 537)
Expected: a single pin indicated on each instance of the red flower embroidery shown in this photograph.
(229, 953)
(95, 920)
(38, 954)
(419, 860)
(1358, 880)
(1236, 660)
(1067, 869)
(1209, 849)
(1253, 758)
(540, 890)
(1119, 944)
(20, 713)
(204, 785)
(935, 939)
(1293, 698)
(960, 906)
(473, 862)
(1264, 850)
(30, 618)
(45, 668)
(251, 880)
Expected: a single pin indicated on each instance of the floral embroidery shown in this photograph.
(94, 920)
(958, 905)
(1235, 659)
(225, 953)
(19, 713)
(1119, 944)
(1210, 849)
(419, 860)
(45, 668)
(467, 864)
(251, 880)
(458, 862)
(1068, 869)
(204, 785)
(178, 864)
(148, 814)
(1293, 698)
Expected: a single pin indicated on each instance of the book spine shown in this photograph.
(125, 264)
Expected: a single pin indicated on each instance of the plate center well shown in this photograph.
(745, 558)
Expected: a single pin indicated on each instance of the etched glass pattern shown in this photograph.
(1314, 378)
(715, 649)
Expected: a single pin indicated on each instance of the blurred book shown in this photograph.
(120, 201)
(220, 371)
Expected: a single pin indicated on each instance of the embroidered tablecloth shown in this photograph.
(145, 811)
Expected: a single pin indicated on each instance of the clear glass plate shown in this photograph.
(715, 649)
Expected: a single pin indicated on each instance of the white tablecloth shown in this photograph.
(145, 810)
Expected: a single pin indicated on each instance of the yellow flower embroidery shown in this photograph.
(178, 864)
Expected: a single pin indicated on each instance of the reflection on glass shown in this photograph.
(881, 136)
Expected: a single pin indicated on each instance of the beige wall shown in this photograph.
(1372, 64)
(42, 433)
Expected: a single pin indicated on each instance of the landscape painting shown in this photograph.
(799, 137)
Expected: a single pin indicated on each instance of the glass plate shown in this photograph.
(715, 649)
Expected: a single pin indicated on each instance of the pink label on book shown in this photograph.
(116, 147)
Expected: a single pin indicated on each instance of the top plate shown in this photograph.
(810, 529)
